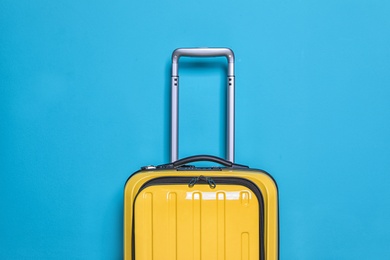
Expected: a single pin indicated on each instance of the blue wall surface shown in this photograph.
(84, 102)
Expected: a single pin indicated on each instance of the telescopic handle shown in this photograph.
(202, 52)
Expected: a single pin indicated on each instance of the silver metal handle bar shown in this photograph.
(202, 52)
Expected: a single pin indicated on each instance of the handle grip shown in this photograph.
(202, 52)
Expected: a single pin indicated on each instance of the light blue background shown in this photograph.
(84, 92)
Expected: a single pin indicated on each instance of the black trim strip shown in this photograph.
(169, 180)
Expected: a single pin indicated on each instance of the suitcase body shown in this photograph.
(180, 211)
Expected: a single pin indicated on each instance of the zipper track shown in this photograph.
(218, 180)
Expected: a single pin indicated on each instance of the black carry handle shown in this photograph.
(198, 158)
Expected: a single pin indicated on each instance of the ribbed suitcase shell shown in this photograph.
(172, 221)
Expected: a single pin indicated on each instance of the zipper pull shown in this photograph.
(193, 181)
(208, 180)
(211, 183)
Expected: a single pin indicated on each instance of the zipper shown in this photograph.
(208, 180)
(191, 181)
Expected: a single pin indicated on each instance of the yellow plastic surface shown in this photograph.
(175, 222)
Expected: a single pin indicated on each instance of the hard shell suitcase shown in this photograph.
(177, 211)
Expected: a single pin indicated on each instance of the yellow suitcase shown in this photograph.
(178, 211)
